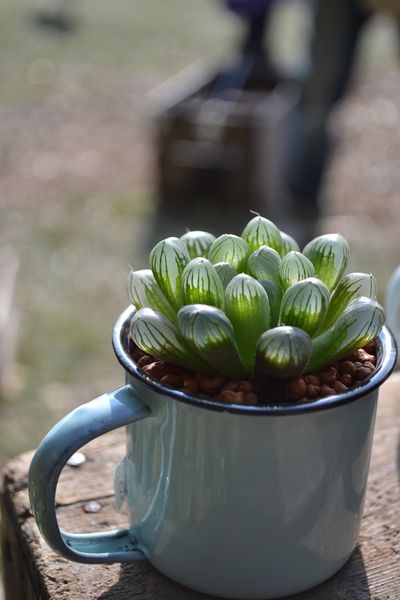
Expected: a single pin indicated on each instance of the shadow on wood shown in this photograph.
(350, 582)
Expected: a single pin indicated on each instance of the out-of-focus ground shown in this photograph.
(77, 177)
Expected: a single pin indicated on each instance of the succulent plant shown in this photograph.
(252, 306)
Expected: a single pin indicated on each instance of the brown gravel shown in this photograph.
(339, 377)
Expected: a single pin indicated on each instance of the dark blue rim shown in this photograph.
(387, 355)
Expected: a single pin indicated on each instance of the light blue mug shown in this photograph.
(248, 502)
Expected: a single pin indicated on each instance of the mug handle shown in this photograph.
(86, 422)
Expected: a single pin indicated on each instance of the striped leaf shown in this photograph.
(262, 232)
(157, 336)
(274, 294)
(168, 260)
(210, 333)
(288, 243)
(144, 292)
(282, 352)
(359, 324)
(295, 267)
(264, 264)
(231, 249)
(304, 305)
(351, 287)
(329, 254)
(247, 307)
(225, 272)
(201, 284)
(197, 242)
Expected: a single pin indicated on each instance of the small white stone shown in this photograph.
(76, 460)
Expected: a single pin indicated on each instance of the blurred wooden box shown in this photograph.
(225, 148)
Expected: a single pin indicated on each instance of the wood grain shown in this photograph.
(33, 572)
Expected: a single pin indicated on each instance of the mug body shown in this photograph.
(247, 505)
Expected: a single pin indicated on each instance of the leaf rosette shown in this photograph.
(252, 306)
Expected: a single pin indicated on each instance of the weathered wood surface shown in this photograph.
(33, 572)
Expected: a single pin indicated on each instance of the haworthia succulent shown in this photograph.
(288, 243)
(260, 231)
(231, 249)
(201, 284)
(359, 324)
(144, 292)
(286, 313)
(264, 263)
(282, 352)
(197, 242)
(304, 305)
(329, 254)
(210, 333)
(155, 335)
(295, 267)
(225, 272)
(274, 293)
(247, 307)
(168, 260)
(351, 287)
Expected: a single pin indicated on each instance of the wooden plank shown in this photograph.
(33, 572)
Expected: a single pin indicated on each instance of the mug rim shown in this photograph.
(385, 366)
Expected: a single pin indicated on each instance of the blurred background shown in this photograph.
(81, 194)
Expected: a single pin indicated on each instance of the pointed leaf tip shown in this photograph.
(197, 242)
(304, 305)
(282, 352)
(264, 264)
(231, 249)
(154, 334)
(288, 243)
(260, 231)
(210, 333)
(360, 323)
(201, 284)
(329, 254)
(351, 287)
(144, 292)
(168, 260)
(295, 267)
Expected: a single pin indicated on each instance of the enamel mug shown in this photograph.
(249, 502)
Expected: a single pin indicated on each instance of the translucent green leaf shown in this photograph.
(168, 260)
(274, 293)
(197, 242)
(157, 336)
(262, 232)
(304, 305)
(282, 352)
(210, 333)
(295, 267)
(329, 254)
(359, 324)
(288, 243)
(247, 307)
(225, 272)
(351, 287)
(201, 284)
(264, 263)
(144, 292)
(231, 249)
